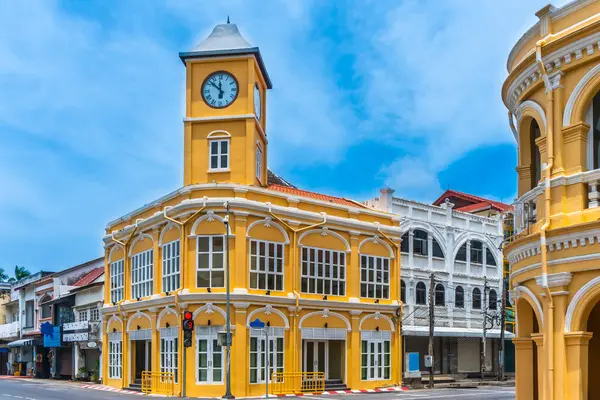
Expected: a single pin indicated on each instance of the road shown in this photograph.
(27, 389)
(13, 389)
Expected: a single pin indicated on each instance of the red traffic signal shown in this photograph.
(188, 323)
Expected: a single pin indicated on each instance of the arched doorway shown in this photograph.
(528, 351)
(593, 326)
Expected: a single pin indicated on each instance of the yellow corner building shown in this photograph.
(321, 272)
(553, 94)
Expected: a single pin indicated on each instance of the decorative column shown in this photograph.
(155, 341)
(292, 347)
(577, 347)
(125, 354)
(541, 365)
(157, 282)
(468, 299)
(353, 270)
(410, 248)
(524, 385)
(484, 259)
(240, 350)
(469, 257)
(239, 266)
(429, 252)
(353, 347)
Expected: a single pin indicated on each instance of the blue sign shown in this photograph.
(413, 362)
(47, 328)
(257, 324)
(53, 340)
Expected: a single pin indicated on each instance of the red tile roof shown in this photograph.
(480, 202)
(90, 277)
(312, 195)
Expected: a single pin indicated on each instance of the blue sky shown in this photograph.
(374, 93)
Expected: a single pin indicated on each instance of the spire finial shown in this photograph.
(228, 19)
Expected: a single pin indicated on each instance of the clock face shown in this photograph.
(219, 89)
(257, 103)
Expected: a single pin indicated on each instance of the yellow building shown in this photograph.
(552, 92)
(322, 272)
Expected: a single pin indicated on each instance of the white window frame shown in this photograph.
(83, 315)
(209, 333)
(255, 263)
(219, 155)
(276, 348)
(115, 359)
(171, 279)
(371, 266)
(169, 351)
(94, 314)
(376, 365)
(330, 267)
(259, 163)
(117, 276)
(142, 274)
(210, 253)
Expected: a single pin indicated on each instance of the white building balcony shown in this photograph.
(9, 331)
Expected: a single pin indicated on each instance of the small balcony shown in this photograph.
(8, 331)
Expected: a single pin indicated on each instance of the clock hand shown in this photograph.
(212, 83)
(221, 92)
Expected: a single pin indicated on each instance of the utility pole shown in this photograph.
(485, 316)
(502, 326)
(431, 319)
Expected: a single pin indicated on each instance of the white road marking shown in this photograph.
(448, 396)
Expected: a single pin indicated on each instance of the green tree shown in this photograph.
(21, 272)
(3, 275)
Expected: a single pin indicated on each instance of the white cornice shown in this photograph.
(232, 186)
(554, 280)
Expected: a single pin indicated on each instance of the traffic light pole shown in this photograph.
(228, 394)
(183, 390)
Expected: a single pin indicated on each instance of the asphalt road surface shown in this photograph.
(13, 389)
(27, 389)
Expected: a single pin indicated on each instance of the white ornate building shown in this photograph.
(460, 249)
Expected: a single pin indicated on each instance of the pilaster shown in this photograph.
(157, 283)
(577, 349)
(353, 274)
(354, 349)
(524, 178)
(155, 343)
(574, 138)
(524, 388)
(240, 247)
(541, 365)
(240, 351)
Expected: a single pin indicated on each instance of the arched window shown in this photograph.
(421, 244)
(459, 297)
(593, 119)
(536, 158)
(440, 295)
(462, 253)
(421, 294)
(493, 300)
(489, 257)
(46, 308)
(402, 291)
(476, 252)
(476, 299)
(404, 246)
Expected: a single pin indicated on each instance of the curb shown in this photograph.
(111, 389)
(352, 391)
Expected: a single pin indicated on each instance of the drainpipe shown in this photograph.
(549, 337)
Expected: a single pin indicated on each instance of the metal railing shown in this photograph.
(158, 383)
(297, 382)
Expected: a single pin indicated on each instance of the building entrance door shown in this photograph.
(142, 357)
(316, 356)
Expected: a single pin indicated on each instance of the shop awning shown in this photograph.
(23, 342)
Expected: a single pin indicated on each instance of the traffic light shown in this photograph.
(188, 328)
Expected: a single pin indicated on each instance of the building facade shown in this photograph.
(461, 251)
(552, 95)
(296, 257)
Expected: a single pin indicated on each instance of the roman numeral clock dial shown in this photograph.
(219, 89)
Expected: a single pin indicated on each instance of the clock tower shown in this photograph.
(225, 137)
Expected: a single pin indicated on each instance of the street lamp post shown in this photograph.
(228, 394)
